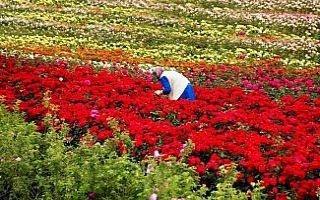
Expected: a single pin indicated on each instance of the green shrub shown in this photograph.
(20, 154)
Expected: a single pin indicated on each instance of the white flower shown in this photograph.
(156, 154)
(149, 168)
(154, 196)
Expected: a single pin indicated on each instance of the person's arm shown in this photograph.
(165, 84)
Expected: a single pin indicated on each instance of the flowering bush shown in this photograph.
(274, 140)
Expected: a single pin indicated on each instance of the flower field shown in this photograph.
(254, 66)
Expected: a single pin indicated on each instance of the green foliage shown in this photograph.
(40, 166)
(225, 190)
(172, 179)
(20, 148)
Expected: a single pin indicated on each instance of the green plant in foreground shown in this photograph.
(19, 151)
(225, 190)
(40, 166)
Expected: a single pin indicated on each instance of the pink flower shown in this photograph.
(245, 82)
(94, 113)
(87, 82)
(310, 89)
(275, 83)
(242, 56)
(156, 154)
(309, 83)
(249, 86)
(91, 195)
(298, 80)
(208, 82)
(298, 89)
(255, 86)
(183, 146)
(154, 196)
(212, 77)
(149, 77)
(56, 61)
(288, 83)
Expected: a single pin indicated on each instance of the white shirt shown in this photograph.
(178, 83)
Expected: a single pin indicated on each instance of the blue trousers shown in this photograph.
(188, 93)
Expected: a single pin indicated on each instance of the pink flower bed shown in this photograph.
(273, 140)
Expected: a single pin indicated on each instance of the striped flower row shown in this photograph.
(128, 36)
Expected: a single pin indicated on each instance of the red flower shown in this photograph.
(104, 134)
(272, 139)
(194, 161)
(269, 181)
(281, 196)
(242, 33)
(250, 179)
(201, 169)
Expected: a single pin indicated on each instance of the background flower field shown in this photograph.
(254, 64)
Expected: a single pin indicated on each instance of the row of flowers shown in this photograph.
(273, 140)
(148, 34)
(176, 52)
(308, 22)
(303, 6)
(265, 76)
(92, 13)
(269, 76)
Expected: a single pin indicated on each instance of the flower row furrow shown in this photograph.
(286, 44)
(287, 5)
(291, 5)
(150, 34)
(174, 51)
(310, 23)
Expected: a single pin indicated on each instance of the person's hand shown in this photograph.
(158, 92)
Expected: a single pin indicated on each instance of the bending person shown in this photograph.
(174, 84)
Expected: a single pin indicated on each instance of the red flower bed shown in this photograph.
(273, 140)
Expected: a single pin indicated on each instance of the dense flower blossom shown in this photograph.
(271, 139)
